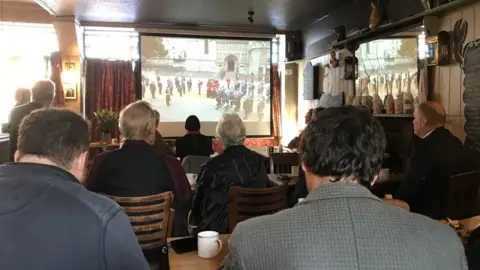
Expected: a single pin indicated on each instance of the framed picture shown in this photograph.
(69, 66)
(70, 91)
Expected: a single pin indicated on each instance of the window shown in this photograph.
(392, 61)
(23, 59)
(275, 50)
(111, 43)
(205, 44)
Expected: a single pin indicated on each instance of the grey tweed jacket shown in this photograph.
(344, 226)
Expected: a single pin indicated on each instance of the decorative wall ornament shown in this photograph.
(334, 62)
(459, 35)
(468, 58)
(374, 15)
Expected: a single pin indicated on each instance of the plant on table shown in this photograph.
(107, 120)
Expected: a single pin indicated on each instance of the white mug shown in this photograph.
(192, 179)
(295, 170)
(209, 244)
(384, 174)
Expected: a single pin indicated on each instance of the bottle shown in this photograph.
(407, 96)
(389, 100)
(377, 102)
(399, 96)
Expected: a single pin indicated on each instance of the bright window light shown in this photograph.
(23, 59)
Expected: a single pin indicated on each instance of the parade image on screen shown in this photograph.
(184, 76)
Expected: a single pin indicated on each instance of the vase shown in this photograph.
(105, 137)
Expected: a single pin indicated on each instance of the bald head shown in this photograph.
(433, 112)
(427, 117)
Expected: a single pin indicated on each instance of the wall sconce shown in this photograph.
(351, 68)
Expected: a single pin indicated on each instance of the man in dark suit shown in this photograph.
(437, 154)
(341, 224)
(193, 143)
(42, 96)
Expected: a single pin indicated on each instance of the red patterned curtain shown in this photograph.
(276, 105)
(109, 85)
(56, 78)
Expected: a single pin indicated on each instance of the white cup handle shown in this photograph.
(188, 220)
(219, 248)
(195, 176)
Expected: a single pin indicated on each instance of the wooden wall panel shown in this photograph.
(449, 79)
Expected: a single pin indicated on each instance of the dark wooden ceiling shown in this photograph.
(269, 14)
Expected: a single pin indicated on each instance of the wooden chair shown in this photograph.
(283, 162)
(463, 199)
(151, 217)
(246, 203)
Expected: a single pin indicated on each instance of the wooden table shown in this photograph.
(188, 261)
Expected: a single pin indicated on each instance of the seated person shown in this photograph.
(341, 224)
(300, 191)
(295, 142)
(236, 166)
(22, 96)
(437, 155)
(138, 169)
(48, 219)
(160, 144)
(193, 143)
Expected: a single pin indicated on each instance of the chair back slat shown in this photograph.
(283, 162)
(147, 218)
(150, 237)
(142, 199)
(247, 203)
(149, 227)
(151, 217)
(256, 209)
(143, 209)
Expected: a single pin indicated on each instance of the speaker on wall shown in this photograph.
(311, 81)
(294, 46)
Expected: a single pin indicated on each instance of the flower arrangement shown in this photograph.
(107, 120)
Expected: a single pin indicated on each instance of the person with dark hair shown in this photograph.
(300, 191)
(160, 144)
(341, 224)
(193, 143)
(47, 215)
(437, 155)
(295, 142)
(43, 92)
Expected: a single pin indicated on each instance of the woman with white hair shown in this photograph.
(236, 166)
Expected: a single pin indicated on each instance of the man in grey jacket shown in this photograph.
(340, 224)
(48, 220)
